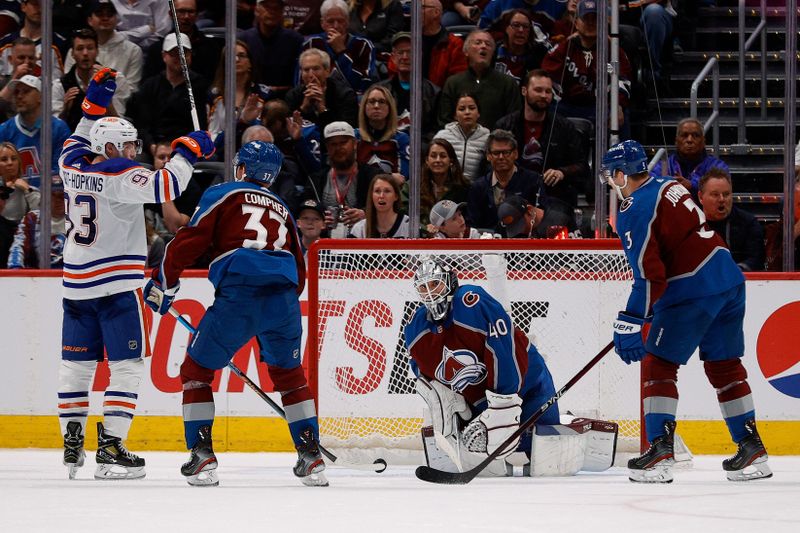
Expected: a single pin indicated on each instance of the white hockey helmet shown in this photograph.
(116, 131)
(435, 284)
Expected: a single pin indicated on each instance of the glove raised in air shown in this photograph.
(194, 146)
(628, 339)
(101, 90)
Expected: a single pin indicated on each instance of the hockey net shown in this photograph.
(563, 294)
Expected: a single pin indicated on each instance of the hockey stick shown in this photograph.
(184, 66)
(431, 475)
(378, 466)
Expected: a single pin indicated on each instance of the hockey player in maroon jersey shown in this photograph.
(258, 271)
(688, 288)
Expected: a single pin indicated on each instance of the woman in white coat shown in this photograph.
(467, 136)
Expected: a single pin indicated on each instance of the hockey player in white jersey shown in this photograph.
(104, 259)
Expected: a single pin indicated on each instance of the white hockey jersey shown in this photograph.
(106, 246)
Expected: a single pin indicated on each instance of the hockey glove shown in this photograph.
(443, 404)
(194, 146)
(99, 93)
(628, 340)
(496, 424)
(158, 299)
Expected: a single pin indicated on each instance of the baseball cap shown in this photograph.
(171, 42)
(443, 211)
(587, 7)
(335, 129)
(399, 36)
(511, 214)
(98, 5)
(29, 80)
(310, 204)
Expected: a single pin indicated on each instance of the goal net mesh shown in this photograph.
(361, 296)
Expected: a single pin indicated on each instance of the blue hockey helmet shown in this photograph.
(261, 160)
(628, 157)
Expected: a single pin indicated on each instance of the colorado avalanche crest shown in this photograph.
(459, 369)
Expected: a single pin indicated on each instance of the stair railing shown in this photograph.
(744, 46)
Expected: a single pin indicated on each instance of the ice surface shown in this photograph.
(258, 493)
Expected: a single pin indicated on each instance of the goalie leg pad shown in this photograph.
(443, 404)
(439, 451)
(583, 445)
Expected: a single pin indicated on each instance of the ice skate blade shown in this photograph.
(115, 472)
(757, 470)
(205, 478)
(315, 480)
(657, 474)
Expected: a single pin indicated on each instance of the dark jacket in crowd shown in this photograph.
(744, 236)
(340, 100)
(205, 56)
(481, 209)
(275, 56)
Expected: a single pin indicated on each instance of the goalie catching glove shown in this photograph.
(497, 423)
(159, 299)
(628, 338)
(443, 404)
(99, 93)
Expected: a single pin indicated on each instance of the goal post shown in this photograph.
(564, 294)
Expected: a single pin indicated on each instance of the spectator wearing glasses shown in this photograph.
(547, 10)
(505, 179)
(379, 143)
(523, 46)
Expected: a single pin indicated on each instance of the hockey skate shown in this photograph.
(73, 449)
(655, 465)
(113, 460)
(310, 464)
(201, 469)
(750, 460)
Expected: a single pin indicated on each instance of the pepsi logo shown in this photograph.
(778, 351)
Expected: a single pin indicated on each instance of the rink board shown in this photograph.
(244, 423)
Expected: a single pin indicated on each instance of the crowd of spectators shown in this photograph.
(508, 102)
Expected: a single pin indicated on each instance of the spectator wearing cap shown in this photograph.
(24, 129)
(32, 29)
(447, 222)
(383, 218)
(274, 47)
(161, 108)
(114, 51)
(376, 20)
(203, 47)
(21, 61)
(321, 97)
(504, 180)
(550, 143)
(351, 55)
(442, 178)
(497, 93)
(573, 62)
(143, 22)
(341, 186)
(24, 252)
(310, 218)
(69, 91)
(518, 218)
(399, 84)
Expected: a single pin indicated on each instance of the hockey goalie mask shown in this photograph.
(116, 131)
(261, 160)
(435, 284)
(629, 158)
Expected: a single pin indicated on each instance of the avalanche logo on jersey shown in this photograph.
(459, 369)
(778, 351)
(470, 298)
(626, 204)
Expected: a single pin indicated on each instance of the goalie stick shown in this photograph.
(432, 475)
(378, 466)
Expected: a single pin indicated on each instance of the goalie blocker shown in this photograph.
(556, 450)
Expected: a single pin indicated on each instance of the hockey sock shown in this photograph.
(660, 394)
(74, 380)
(729, 378)
(119, 402)
(297, 400)
(198, 399)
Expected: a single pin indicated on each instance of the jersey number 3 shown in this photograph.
(261, 241)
